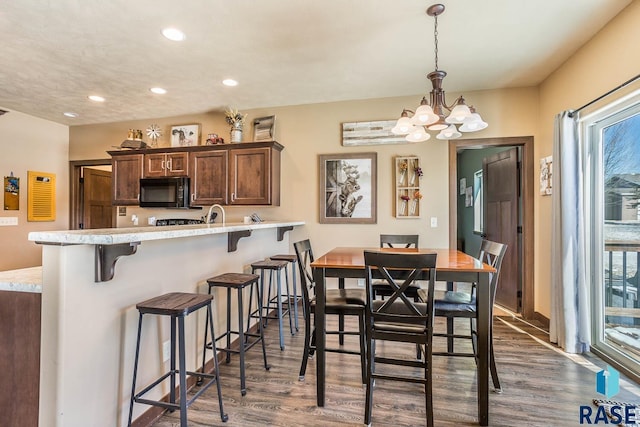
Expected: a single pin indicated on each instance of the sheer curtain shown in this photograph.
(570, 325)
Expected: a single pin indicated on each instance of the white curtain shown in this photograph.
(570, 323)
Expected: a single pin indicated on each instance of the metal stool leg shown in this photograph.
(279, 303)
(295, 294)
(135, 371)
(228, 358)
(172, 378)
(182, 372)
(223, 416)
(243, 387)
(261, 327)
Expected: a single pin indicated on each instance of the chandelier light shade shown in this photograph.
(434, 114)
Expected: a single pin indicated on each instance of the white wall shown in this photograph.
(31, 144)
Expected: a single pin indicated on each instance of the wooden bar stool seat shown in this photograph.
(177, 305)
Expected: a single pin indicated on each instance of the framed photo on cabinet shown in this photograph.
(185, 135)
(348, 188)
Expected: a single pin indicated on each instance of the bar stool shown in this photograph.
(273, 267)
(238, 282)
(177, 305)
(293, 260)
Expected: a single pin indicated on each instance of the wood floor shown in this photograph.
(542, 387)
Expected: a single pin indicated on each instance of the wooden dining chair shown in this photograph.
(380, 287)
(458, 305)
(343, 302)
(399, 319)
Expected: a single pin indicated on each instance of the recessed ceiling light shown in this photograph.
(158, 90)
(229, 82)
(96, 98)
(70, 114)
(173, 34)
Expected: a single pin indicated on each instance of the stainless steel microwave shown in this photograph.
(167, 192)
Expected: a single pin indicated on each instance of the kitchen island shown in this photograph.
(89, 320)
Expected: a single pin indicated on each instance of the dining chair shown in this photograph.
(399, 319)
(462, 305)
(343, 302)
(380, 287)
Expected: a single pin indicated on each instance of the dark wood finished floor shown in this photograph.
(542, 387)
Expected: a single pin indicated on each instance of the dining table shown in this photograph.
(451, 266)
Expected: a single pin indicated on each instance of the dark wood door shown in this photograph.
(209, 177)
(250, 175)
(97, 210)
(501, 190)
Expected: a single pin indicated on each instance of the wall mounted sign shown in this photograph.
(371, 133)
(11, 193)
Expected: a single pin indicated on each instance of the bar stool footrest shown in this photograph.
(174, 406)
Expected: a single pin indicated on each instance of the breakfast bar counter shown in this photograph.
(89, 325)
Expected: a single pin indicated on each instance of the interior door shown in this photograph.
(501, 191)
(97, 211)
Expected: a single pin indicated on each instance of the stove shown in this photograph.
(178, 221)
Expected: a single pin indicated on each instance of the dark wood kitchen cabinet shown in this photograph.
(252, 172)
(229, 174)
(125, 178)
(209, 177)
(166, 164)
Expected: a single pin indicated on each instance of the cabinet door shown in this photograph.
(209, 177)
(166, 164)
(177, 164)
(127, 171)
(154, 165)
(250, 176)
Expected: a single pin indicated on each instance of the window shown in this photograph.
(612, 137)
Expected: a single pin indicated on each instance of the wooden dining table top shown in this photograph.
(447, 260)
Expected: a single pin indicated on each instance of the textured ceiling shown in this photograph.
(283, 52)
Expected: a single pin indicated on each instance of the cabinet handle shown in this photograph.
(233, 197)
(162, 165)
(193, 197)
(170, 164)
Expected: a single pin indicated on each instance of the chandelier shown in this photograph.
(432, 115)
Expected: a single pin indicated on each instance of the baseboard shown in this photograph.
(544, 322)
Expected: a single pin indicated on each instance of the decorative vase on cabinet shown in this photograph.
(236, 132)
(407, 194)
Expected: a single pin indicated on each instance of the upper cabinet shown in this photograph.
(209, 177)
(228, 174)
(125, 178)
(166, 164)
(254, 175)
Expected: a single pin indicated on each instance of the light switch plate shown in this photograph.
(434, 222)
(8, 220)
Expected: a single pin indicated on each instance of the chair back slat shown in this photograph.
(492, 253)
(399, 240)
(305, 258)
(409, 267)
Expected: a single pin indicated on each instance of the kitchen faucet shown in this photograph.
(208, 217)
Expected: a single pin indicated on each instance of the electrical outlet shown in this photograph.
(166, 350)
(361, 283)
(8, 220)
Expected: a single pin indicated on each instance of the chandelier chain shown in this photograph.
(435, 37)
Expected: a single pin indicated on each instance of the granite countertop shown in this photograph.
(112, 236)
(22, 280)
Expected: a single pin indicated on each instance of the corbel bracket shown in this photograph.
(106, 257)
(233, 237)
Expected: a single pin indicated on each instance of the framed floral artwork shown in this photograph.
(348, 188)
(185, 135)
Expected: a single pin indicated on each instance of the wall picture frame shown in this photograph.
(264, 128)
(348, 188)
(185, 135)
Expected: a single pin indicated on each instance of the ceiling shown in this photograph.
(282, 52)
